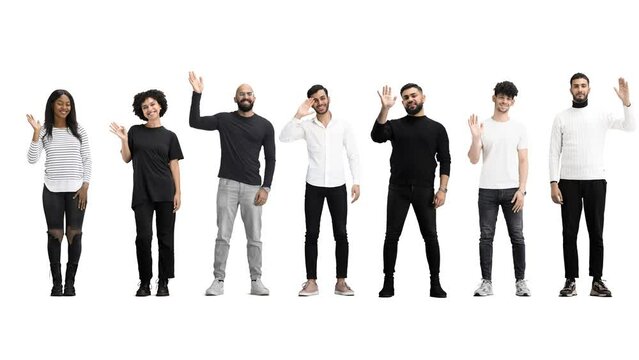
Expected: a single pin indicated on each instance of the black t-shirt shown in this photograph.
(151, 151)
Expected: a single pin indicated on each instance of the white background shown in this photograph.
(104, 53)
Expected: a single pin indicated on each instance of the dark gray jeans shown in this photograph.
(489, 202)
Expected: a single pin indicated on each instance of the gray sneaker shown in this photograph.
(485, 289)
(257, 288)
(521, 288)
(216, 288)
(600, 289)
(570, 289)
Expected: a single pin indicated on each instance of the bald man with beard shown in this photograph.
(243, 133)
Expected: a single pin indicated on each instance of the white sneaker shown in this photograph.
(257, 288)
(306, 292)
(485, 288)
(216, 288)
(521, 288)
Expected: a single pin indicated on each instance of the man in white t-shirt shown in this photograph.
(503, 144)
(577, 176)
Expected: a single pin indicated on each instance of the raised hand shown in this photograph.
(476, 129)
(35, 124)
(623, 92)
(386, 97)
(305, 108)
(196, 83)
(119, 131)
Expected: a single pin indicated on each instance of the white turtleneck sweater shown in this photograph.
(577, 142)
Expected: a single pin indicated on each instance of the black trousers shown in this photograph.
(58, 208)
(591, 194)
(400, 197)
(165, 225)
(337, 206)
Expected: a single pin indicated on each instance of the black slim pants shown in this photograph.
(400, 197)
(591, 194)
(337, 206)
(165, 225)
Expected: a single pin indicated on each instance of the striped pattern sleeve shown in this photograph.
(85, 153)
(35, 148)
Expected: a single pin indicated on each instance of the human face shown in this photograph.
(320, 102)
(61, 107)
(151, 109)
(244, 98)
(503, 102)
(579, 88)
(413, 101)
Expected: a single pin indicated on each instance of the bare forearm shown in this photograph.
(174, 165)
(383, 115)
(125, 151)
(474, 152)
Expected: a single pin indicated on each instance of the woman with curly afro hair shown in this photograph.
(155, 152)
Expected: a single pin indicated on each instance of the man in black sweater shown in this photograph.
(418, 144)
(242, 135)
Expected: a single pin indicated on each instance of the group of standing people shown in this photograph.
(419, 146)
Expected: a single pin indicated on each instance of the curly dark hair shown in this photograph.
(154, 94)
(72, 122)
(506, 88)
(409, 86)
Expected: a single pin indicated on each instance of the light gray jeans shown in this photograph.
(230, 194)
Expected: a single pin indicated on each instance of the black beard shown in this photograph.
(242, 106)
(414, 111)
(574, 99)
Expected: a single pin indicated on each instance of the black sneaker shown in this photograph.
(144, 290)
(600, 289)
(436, 290)
(570, 289)
(388, 290)
(69, 290)
(163, 287)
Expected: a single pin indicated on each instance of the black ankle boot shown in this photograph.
(69, 280)
(163, 287)
(436, 290)
(145, 289)
(56, 274)
(388, 290)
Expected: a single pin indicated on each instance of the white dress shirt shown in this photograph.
(326, 147)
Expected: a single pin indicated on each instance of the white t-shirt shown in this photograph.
(500, 144)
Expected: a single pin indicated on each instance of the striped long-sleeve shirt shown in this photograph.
(68, 161)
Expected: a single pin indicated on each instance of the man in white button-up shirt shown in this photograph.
(326, 139)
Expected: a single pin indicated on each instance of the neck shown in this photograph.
(500, 116)
(325, 118)
(153, 123)
(579, 105)
(59, 122)
(246, 113)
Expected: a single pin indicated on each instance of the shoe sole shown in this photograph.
(523, 295)
(595, 294)
(567, 295)
(482, 295)
(308, 294)
(342, 293)
(386, 295)
(210, 294)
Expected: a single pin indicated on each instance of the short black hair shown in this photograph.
(314, 89)
(506, 88)
(579, 76)
(154, 94)
(410, 85)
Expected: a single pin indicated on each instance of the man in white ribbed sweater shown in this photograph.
(577, 176)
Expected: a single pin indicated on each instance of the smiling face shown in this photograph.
(579, 88)
(413, 100)
(244, 98)
(503, 102)
(151, 109)
(61, 107)
(321, 101)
